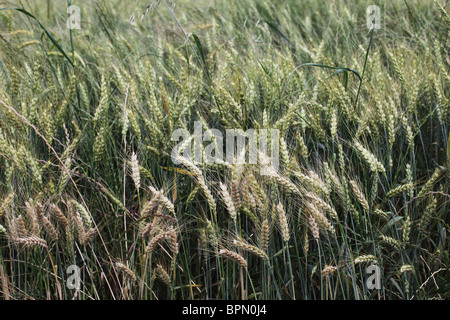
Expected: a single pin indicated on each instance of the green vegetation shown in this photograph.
(87, 178)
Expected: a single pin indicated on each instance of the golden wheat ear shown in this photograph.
(59, 215)
(127, 272)
(155, 241)
(163, 275)
(32, 241)
(250, 248)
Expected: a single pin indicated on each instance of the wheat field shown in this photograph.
(93, 204)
